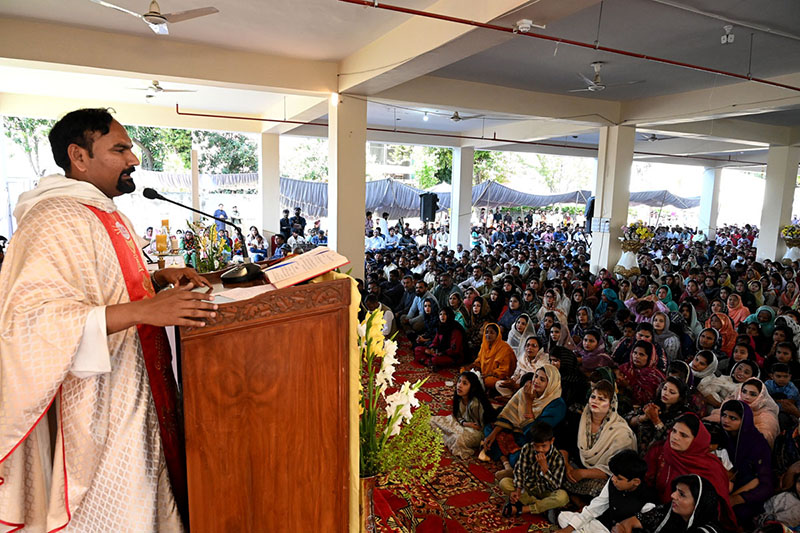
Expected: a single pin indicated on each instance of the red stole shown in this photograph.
(157, 356)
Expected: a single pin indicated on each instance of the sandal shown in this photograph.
(512, 509)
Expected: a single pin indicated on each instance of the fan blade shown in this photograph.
(112, 6)
(180, 16)
(625, 83)
(177, 91)
(579, 90)
(586, 80)
(470, 117)
(159, 29)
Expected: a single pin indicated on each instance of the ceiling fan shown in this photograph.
(652, 137)
(455, 117)
(596, 84)
(155, 88)
(158, 20)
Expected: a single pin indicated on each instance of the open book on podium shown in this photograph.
(303, 267)
(266, 405)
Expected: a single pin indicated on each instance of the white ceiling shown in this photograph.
(310, 29)
(63, 84)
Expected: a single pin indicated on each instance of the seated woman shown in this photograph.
(496, 361)
(689, 314)
(765, 318)
(538, 399)
(736, 310)
(765, 411)
(664, 294)
(639, 379)
(497, 304)
(462, 430)
(652, 421)
(530, 357)
(722, 323)
(551, 302)
(692, 507)
(716, 389)
(456, 303)
(592, 352)
(687, 451)
(479, 317)
(601, 434)
(665, 338)
(574, 386)
(511, 314)
(430, 321)
(750, 454)
(448, 345)
(523, 328)
(584, 321)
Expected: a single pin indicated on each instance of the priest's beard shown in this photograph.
(125, 183)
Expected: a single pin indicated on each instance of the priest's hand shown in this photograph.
(171, 307)
(175, 276)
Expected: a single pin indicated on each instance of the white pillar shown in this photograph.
(195, 184)
(347, 167)
(461, 196)
(269, 172)
(612, 193)
(778, 198)
(709, 202)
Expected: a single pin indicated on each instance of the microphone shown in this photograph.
(241, 273)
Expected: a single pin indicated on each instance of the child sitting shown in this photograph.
(462, 430)
(624, 495)
(784, 507)
(718, 441)
(783, 391)
(538, 475)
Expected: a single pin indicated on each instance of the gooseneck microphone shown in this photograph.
(241, 273)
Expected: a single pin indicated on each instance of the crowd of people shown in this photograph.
(663, 401)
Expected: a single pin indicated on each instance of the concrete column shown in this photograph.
(709, 202)
(778, 198)
(461, 196)
(612, 193)
(347, 167)
(269, 172)
(195, 184)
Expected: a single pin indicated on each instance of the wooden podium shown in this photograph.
(266, 411)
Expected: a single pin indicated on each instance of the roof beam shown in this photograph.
(728, 129)
(297, 108)
(524, 130)
(422, 45)
(482, 98)
(169, 60)
(724, 101)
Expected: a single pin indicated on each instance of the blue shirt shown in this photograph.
(789, 390)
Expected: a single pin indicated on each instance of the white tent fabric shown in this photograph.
(396, 198)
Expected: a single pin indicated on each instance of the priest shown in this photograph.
(82, 333)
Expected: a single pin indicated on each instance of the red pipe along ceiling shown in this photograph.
(593, 46)
(494, 138)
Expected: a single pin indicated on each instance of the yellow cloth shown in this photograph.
(496, 361)
(516, 410)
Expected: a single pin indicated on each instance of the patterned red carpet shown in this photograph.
(463, 496)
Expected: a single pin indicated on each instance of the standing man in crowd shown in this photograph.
(297, 220)
(220, 213)
(83, 324)
(286, 225)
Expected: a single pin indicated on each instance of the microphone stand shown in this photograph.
(246, 271)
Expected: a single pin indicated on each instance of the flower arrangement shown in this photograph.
(213, 252)
(791, 231)
(637, 231)
(395, 441)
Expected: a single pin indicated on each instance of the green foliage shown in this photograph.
(30, 134)
(158, 144)
(225, 152)
(489, 166)
(414, 454)
(307, 160)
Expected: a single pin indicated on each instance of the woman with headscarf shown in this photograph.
(584, 321)
(461, 313)
(559, 336)
(577, 300)
(689, 314)
(754, 287)
(710, 288)
(652, 421)
(496, 360)
(716, 389)
(522, 328)
(573, 382)
(538, 399)
(479, 317)
(530, 357)
(703, 364)
(765, 318)
(751, 457)
(430, 316)
(754, 393)
(639, 287)
(669, 341)
(788, 296)
(608, 295)
(723, 325)
(511, 314)
(640, 377)
(531, 303)
(448, 345)
(497, 304)
(551, 305)
(748, 300)
(736, 311)
(694, 292)
(687, 451)
(710, 339)
(601, 434)
(625, 290)
(592, 352)
(664, 293)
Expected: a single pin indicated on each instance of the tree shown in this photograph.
(489, 166)
(158, 144)
(307, 160)
(30, 134)
(225, 152)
